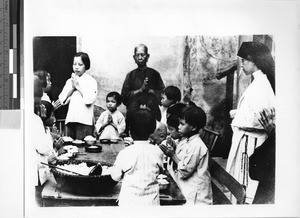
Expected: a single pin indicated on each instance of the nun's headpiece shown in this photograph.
(253, 51)
(258, 53)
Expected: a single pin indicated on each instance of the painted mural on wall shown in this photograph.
(206, 57)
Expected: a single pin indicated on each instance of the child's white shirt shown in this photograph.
(138, 166)
(117, 117)
(192, 175)
(81, 107)
(163, 111)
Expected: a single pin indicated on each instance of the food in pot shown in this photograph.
(81, 168)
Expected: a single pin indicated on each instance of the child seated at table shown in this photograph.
(42, 145)
(173, 114)
(191, 158)
(170, 96)
(159, 135)
(174, 136)
(111, 123)
(140, 164)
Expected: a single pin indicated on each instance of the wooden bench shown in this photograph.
(223, 181)
(209, 137)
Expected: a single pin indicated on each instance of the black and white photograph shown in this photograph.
(158, 109)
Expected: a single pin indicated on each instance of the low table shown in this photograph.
(53, 196)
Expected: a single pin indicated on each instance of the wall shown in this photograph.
(112, 59)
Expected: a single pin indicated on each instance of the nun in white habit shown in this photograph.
(248, 133)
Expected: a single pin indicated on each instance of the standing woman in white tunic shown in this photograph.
(248, 133)
(80, 92)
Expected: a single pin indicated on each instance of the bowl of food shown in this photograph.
(114, 141)
(67, 140)
(93, 148)
(90, 140)
(82, 184)
(78, 142)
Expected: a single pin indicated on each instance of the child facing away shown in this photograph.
(111, 123)
(139, 164)
(190, 158)
(170, 96)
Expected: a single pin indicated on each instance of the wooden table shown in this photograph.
(52, 195)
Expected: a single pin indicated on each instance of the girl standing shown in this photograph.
(80, 92)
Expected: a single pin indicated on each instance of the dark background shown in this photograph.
(55, 55)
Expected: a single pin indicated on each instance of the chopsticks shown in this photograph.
(50, 165)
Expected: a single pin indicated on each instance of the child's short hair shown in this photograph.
(150, 101)
(141, 123)
(85, 59)
(173, 93)
(194, 116)
(116, 96)
(42, 75)
(173, 121)
(173, 114)
(176, 109)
